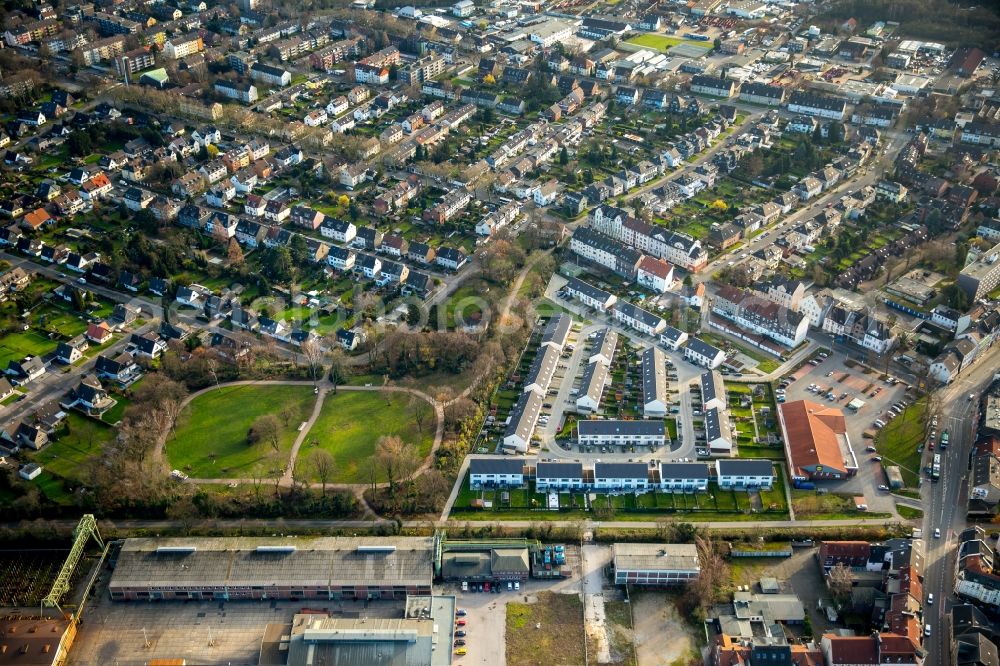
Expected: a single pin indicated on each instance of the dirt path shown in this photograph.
(662, 637)
(324, 388)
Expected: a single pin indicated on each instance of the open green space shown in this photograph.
(561, 639)
(663, 42)
(908, 512)
(351, 423)
(899, 440)
(210, 439)
(810, 505)
(15, 346)
(74, 447)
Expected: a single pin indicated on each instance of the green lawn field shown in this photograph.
(74, 447)
(15, 346)
(897, 442)
(352, 422)
(664, 43)
(210, 439)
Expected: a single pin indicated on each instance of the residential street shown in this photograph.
(945, 501)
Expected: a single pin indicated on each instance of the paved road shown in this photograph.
(703, 157)
(55, 383)
(325, 524)
(873, 173)
(945, 502)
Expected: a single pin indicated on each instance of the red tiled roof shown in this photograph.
(654, 266)
(811, 434)
(893, 645)
(852, 650)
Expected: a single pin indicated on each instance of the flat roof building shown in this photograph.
(272, 568)
(485, 564)
(411, 640)
(655, 564)
(981, 274)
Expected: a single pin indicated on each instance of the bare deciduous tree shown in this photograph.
(396, 459)
(432, 489)
(421, 412)
(323, 465)
(265, 429)
(710, 585)
(840, 580)
(312, 352)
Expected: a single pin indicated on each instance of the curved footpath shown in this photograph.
(325, 387)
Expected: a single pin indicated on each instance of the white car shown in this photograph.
(930, 599)
(937, 532)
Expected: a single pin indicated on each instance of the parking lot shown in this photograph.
(560, 399)
(834, 376)
(486, 612)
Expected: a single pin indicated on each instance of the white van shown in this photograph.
(465, 586)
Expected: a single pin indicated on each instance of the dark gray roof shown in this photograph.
(712, 387)
(638, 427)
(672, 334)
(683, 471)
(745, 467)
(498, 465)
(594, 378)
(587, 289)
(621, 471)
(626, 255)
(549, 470)
(542, 368)
(524, 415)
(714, 426)
(654, 375)
(605, 342)
(557, 330)
(700, 346)
(637, 313)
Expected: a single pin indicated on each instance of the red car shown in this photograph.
(460, 623)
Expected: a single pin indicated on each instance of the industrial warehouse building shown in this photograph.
(421, 637)
(655, 564)
(479, 562)
(272, 568)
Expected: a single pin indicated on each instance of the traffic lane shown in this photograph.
(945, 511)
(559, 397)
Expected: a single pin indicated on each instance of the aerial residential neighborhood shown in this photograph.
(502, 333)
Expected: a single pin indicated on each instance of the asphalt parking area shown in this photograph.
(834, 375)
